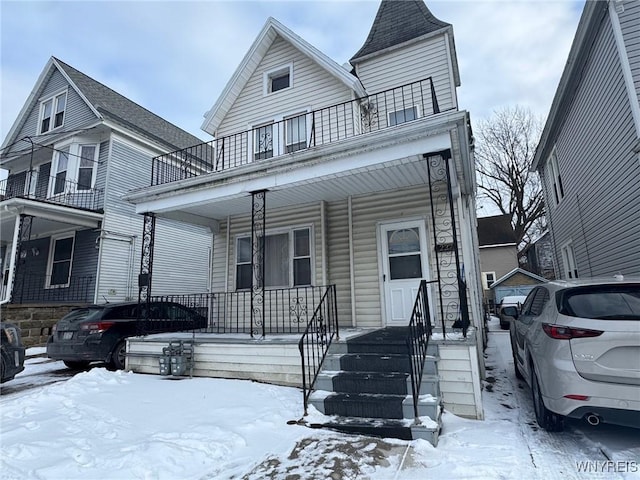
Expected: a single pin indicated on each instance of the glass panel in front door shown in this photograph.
(404, 253)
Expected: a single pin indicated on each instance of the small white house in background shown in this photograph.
(332, 185)
(66, 234)
(588, 155)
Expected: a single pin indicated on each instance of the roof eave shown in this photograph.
(578, 56)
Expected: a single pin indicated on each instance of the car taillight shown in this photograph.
(577, 397)
(97, 327)
(567, 333)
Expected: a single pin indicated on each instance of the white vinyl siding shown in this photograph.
(427, 58)
(312, 87)
(600, 212)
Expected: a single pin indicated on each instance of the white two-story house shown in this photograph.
(337, 194)
(67, 237)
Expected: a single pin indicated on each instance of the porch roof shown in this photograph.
(385, 160)
(51, 217)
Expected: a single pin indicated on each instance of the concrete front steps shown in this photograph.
(365, 386)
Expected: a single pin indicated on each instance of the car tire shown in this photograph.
(78, 365)
(551, 422)
(2, 379)
(504, 325)
(516, 368)
(118, 356)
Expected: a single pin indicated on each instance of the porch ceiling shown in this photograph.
(366, 164)
(50, 218)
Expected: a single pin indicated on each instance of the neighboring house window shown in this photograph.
(278, 79)
(295, 129)
(60, 172)
(86, 167)
(74, 168)
(402, 116)
(556, 180)
(60, 259)
(263, 142)
(569, 262)
(287, 260)
(52, 112)
(488, 279)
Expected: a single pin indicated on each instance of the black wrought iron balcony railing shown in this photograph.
(300, 132)
(51, 189)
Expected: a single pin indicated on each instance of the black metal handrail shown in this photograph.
(316, 339)
(287, 310)
(319, 127)
(50, 189)
(418, 341)
(31, 288)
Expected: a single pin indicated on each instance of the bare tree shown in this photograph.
(505, 147)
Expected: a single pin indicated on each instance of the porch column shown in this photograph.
(21, 234)
(258, 210)
(146, 260)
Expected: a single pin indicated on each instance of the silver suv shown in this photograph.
(577, 345)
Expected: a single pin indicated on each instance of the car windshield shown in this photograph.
(602, 302)
(82, 314)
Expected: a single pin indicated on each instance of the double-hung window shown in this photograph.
(488, 279)
(52, 112)
(402, 116)
(287, 259)
(556, 179)
(86, 167)
(295, 129)
(60, 260)
(569, 262)
(73, 169)
(61, 170)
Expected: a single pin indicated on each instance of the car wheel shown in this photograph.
(504, 325)
(2, 379)
(118, 356)
(552, 422)
(79, 365)
(519, 375)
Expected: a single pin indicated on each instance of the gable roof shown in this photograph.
(515, 271)
(251, 60)
(397, 22)
(109, 105)
(496, 230)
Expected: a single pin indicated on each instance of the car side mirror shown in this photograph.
(511, 312)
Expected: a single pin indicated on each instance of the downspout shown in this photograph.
(226, 263)
(12, 262)
(351, 262)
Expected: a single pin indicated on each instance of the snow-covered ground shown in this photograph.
(119, 425)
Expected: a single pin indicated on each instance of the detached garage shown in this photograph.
(516, 282)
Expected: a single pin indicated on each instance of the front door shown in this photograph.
(404, 264)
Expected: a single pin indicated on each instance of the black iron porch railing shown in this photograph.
(418, 341)
(51, 189)
(319, 127)
(287, 310)
(316, 339)
(30, 288)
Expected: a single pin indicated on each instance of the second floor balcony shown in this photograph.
(315, 128)
(32, 185)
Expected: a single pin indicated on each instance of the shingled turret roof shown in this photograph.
(396, 22)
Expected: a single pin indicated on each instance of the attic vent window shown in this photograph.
(278, 79)
(52, 112)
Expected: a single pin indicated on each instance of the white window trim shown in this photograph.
(73, 165)
(418, 114)
(278, 231)
(569, 264)
(53, 97)
(52, 242)
(485, 280)
(269, 74)
(278, 132)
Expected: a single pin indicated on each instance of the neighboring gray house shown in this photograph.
(66, 234)
(588, 155)
(539, 257)
(340, 195)
(498, 252)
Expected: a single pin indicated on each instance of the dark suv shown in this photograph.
(12, 361)
(98, 333)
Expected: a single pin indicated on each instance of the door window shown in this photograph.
(405, 260)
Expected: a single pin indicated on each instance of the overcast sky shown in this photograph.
(175, 57)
